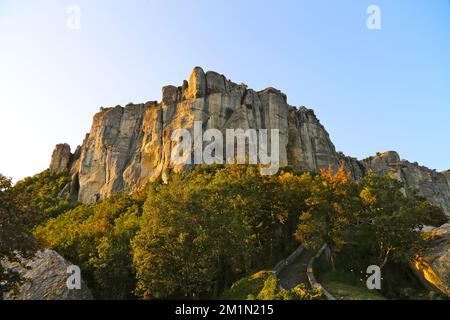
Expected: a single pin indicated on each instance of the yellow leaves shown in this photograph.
(285, 177)
(340, 176)
(305, 216)
(367, 197)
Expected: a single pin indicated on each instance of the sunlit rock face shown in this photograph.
(434, 263)
(61, 158)
(44, 277)
(128, 146)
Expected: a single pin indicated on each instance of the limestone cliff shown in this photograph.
(128, 146)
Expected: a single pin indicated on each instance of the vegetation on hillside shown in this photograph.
(204, 230)
(263, 285)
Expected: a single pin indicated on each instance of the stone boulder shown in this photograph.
(44, 278)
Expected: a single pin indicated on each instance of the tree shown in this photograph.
(191, 237)
(389, 223)
(14, 232)
(44, 195)
(202, 231)
(97, 238)
(331, 209)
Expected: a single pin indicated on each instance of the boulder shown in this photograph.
(44, 278)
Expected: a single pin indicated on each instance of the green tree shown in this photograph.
(332, 208)
(388, 227)
(97, 238)
(15, 234)
(43, 196)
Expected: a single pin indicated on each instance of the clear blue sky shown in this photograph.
(373, 90)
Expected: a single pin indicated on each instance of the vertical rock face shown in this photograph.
(129, 146)
(115, 138)
(61, 158)
(447, 175)
(310, 147)
(197, 84)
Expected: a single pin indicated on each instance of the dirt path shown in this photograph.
(295, 273)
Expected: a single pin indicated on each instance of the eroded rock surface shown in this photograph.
(434, 263)
(128, 146)
(61, 158)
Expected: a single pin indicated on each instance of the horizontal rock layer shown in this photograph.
(129, 146)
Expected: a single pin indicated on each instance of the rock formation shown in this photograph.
(129, 146)
(61, 158)
(432, 185)
(44, 278)
(432, 264)
(447, 175)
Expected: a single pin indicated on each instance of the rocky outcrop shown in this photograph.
(61, 158)
(430, 184)
(447, 175)
(128, 146)
(44, 278)
(433, 264)
(310, 147)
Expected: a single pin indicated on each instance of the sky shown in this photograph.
(374, 90)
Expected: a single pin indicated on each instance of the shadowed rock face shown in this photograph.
(129, 146)
(44, 278)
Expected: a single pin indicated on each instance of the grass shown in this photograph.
(344, 288)
(344, 285)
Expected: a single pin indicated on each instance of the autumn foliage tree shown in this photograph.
(331, 210)
(389, 225)
(369, 221)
